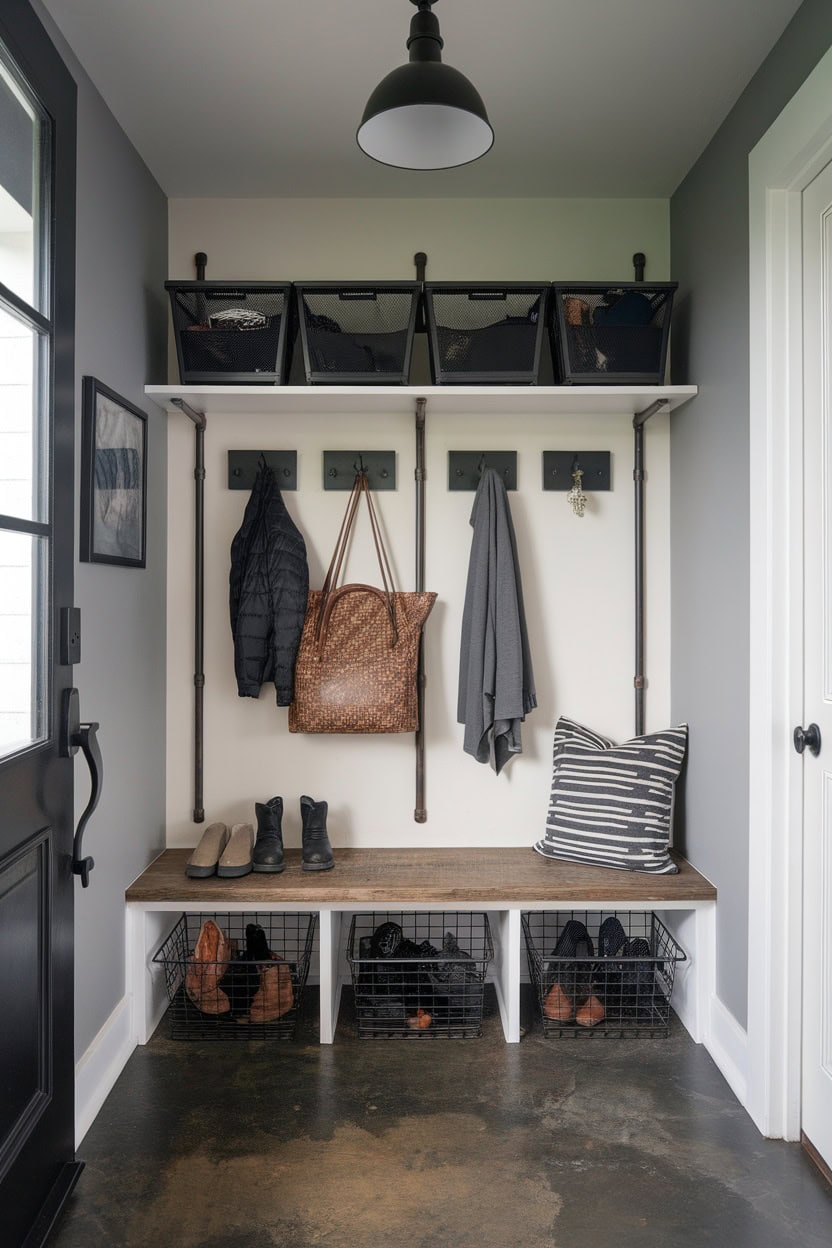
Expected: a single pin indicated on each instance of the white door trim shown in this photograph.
(791, 153)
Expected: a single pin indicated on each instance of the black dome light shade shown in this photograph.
(425, 115)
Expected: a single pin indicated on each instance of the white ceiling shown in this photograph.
(262, 97)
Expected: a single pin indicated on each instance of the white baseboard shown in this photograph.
(100, 1066)
(727, 1043)
(685, 1011)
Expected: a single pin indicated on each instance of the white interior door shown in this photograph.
(816, 1096)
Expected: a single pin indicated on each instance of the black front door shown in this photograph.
(37, 281)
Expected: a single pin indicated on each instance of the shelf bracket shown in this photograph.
(641, 418)
(198, 418)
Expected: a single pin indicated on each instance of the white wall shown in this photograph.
(577, 573)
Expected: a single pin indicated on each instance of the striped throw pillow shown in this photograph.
(611, 805)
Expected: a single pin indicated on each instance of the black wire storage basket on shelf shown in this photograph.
(607, 333)
(230, 333)
(485, 334)
(357, 333)
(601, 974)
(250, 988)
(419, 975)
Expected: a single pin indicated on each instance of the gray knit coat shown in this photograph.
(496, 683)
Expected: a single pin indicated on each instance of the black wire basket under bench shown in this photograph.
(601, 974)
(250, 988)
(419, 975)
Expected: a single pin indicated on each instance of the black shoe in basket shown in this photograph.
(574, 978)
(611, 937)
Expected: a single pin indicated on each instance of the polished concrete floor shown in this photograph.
(594, 1142)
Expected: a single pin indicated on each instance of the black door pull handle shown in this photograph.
(807, 739)
(76, 736)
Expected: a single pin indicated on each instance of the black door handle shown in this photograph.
(76, 736)
(807, 739)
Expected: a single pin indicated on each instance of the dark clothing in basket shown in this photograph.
(269, 584)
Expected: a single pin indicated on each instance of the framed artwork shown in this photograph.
(113, 478)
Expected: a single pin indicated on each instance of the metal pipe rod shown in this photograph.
(420, 813)
(640, 419)
(638, 479)
(199, 619)
(200, 424)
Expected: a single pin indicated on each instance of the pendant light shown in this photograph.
(425, 115)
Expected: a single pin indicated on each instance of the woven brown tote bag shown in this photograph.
(357, 664)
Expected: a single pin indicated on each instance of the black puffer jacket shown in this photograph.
(269, 583)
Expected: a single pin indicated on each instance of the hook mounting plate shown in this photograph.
(242, 468)
(465, 468)
(558, 467)
(340, 468)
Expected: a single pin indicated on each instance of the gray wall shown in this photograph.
(709, 488)
(121, 338)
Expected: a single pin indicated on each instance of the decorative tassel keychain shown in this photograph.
(576, 496)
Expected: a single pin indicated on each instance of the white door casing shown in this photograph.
(816, 1089)
(790, 155)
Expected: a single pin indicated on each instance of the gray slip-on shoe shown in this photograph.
(203, 861)
(236, 859)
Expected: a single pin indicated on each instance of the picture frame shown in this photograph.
(113, 527)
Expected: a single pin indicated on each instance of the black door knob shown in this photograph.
(807, 739)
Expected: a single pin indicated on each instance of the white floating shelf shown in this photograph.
(480, 400)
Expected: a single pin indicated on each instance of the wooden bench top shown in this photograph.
(477, 876)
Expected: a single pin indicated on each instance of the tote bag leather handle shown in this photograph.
(335, 597)
(330, 585)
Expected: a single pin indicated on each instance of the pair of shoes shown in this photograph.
(268, 854)
(630, 985)
(221, 852)
(571, 997)
(252, 987)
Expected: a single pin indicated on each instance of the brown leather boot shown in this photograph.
(206, 968)
(275, 996)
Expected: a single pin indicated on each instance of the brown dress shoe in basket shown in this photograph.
(558, 1005)
(206, 968)
(591, 1013)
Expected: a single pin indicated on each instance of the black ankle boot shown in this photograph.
(317, 851)
(268, 847)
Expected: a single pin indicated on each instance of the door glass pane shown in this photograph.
(22, 160)
(24, 564)
(23, 354)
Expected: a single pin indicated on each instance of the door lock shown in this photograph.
(807, 739)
